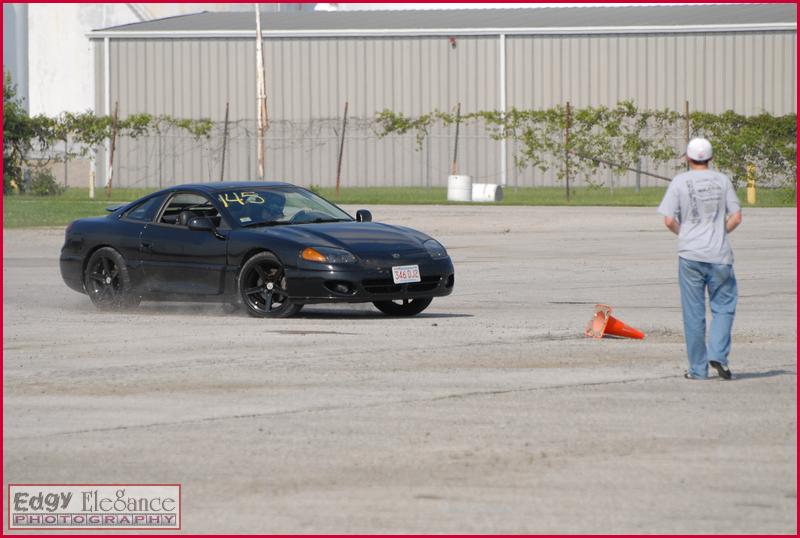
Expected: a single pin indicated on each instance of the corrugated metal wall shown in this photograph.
(310, 79)
(747, 72)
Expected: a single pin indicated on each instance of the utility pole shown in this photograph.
(261, 96)
(113, 147)
(567, 125)
(341, 149)
(688, 126)
(454, 165)
(66, 159)
(224, 143)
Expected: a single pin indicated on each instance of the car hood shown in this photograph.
(360, 238)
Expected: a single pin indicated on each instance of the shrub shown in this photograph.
(44, 184)
(769, 142)
(616, 137)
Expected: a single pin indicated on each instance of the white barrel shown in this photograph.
(487, 192)
(459, 188)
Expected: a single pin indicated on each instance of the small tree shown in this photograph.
(769, 142)
(20, 133)
(617, 137)
(611, 137)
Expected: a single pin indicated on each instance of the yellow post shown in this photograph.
(751, 184)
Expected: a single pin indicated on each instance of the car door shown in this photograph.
(128, 235)
(176, 260)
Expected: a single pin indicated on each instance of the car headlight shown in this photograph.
(435, 249)
(327, 255)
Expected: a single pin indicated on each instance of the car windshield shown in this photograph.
(278, 205)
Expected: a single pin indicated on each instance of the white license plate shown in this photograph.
(405, 273)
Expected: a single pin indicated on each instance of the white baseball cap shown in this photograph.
(699, 149)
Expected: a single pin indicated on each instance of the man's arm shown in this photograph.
(733, 220)
(673, 224)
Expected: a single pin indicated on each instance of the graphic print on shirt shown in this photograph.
(704, 199)
(694, 215)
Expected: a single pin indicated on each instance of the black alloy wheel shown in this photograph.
(263, 288)
(107, 281)
(403, 307)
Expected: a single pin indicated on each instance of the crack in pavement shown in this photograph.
(456, 396)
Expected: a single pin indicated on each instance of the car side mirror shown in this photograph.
(201, 224)
(362, 215)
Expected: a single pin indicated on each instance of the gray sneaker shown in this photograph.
(723, 371)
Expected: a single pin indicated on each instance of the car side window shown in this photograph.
(183, 206)
(144, 211)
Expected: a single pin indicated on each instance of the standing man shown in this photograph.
(701, 208)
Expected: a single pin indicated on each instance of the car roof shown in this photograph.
(211, 188)
(228, 185)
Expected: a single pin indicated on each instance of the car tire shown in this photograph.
(107, 281)
(263, 288)
(403, 307)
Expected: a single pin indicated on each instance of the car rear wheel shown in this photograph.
(403, 307)
(108, 282)
(263, 288)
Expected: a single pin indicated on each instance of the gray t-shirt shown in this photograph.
(701, 200)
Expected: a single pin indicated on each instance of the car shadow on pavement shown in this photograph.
(311, 312)
(180, 309)
(369, 314)
(757, 375)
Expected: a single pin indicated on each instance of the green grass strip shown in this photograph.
(23, 211)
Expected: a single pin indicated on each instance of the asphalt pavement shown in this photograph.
(488, 413)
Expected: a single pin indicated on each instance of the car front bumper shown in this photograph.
(364, 285)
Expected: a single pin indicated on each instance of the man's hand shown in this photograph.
(733, 220)
(673, 225)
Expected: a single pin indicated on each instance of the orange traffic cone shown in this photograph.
(604, 323)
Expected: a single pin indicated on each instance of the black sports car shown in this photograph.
(272, 247)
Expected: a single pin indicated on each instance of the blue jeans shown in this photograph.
(695, 277)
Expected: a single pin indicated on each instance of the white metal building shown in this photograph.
(718, 57)
(46, 50)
